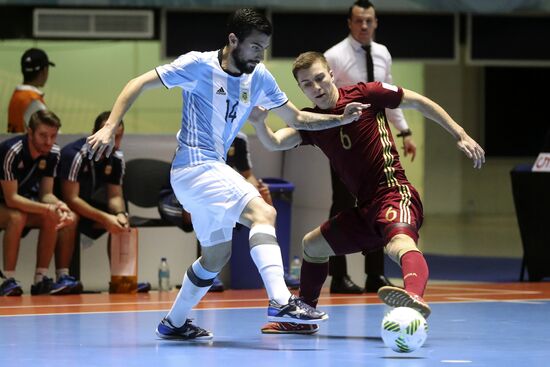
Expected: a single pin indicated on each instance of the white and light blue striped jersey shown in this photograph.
(215, 104)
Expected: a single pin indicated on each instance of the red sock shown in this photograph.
(312, 278)
(415, 272)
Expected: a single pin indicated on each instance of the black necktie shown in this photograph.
(370, 66)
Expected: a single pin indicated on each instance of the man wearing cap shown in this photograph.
(27, 98)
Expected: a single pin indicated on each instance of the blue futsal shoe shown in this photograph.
(10, 287)
(66, 284)
(42, 287)
(165, 330)
(296, 311)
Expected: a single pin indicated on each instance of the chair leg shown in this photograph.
(522, 272)
(74, 269)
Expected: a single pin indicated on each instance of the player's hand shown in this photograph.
(353, 111)
(61, 213)
(100, 143)
(409, 147)
(112, 225)
(123, 220)
(472, 150)
(258, 115)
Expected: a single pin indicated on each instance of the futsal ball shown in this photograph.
(404, 329)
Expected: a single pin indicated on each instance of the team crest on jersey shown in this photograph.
(42, 164)
(108, 170)
(244, 95)
(231, 152)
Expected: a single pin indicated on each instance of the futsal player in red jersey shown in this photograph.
(389, 210)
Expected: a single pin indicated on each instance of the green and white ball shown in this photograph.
(404, 329)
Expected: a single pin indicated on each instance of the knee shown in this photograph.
(312, 249)
(214, 260)
(17, 219)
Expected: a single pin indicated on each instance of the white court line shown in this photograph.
(511, 291)
(163, 302)
(166, 309)
(129, 303)
(455, 361)
(474, 300)
(447, 295)
(498, 300)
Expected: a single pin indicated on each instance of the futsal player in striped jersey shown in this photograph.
(220, 89)
(364, 155)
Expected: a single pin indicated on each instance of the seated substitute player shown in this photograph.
(93, 189)
(27, 201)
(389, 211)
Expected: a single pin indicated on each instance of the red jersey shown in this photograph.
(363, 153)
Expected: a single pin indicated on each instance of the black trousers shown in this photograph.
(341, 200)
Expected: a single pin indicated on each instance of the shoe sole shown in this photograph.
(296, 321)
(177, 337)
(61, 291)
(14, 293)
(301, 332)
(276, 331)
(397, 297)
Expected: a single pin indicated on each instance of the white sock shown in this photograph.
(269, 262)
(9, 274)
(39, 274)
(60, 272)
(189, 295)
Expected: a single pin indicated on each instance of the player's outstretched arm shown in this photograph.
(283, 139)
(303, 120)
(103, 140)
(436, 113)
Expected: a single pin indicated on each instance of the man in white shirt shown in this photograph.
(349, 62)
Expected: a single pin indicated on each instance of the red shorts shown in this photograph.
(396, 210)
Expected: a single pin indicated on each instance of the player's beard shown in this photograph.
(241, 64)
(41, 149)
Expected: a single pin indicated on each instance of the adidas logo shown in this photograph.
(221, 91)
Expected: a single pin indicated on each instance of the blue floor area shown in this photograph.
(474, 334)
(466, 268)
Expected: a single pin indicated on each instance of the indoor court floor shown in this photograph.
(472, 324)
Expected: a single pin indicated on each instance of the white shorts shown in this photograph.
(215, 195)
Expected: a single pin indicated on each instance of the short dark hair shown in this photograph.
(360, 3)
(100, 120)
(246, 20)
(305, 60)
(44, 117)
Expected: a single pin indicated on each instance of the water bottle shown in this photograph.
(164, 275)
(295, 266)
